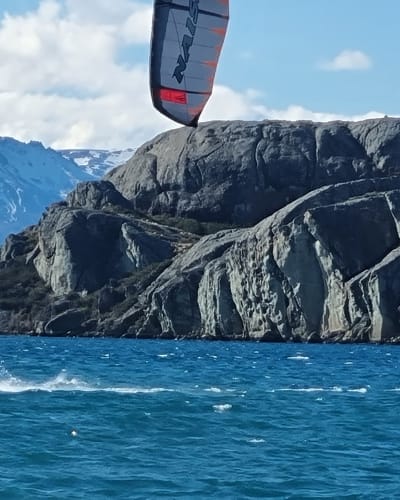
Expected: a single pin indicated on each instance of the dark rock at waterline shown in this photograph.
(66, 323)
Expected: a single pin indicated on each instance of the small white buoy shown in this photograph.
(74, 433)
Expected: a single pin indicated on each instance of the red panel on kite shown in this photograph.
(172, 95)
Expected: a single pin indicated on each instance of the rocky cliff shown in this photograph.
(325, 267)
(240, 172)
(317, 261)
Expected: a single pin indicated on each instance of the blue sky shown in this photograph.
(75, 72)
(289, 41)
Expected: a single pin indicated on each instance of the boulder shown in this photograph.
(97, 195)
(66, 323)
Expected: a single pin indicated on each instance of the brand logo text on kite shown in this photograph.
(187, 40)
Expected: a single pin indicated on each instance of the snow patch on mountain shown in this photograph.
(98, 162)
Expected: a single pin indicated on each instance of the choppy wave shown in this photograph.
(64, 382)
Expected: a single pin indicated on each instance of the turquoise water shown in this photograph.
(102, 418)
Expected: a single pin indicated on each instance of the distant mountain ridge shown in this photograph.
(97, 162)
(33, 176)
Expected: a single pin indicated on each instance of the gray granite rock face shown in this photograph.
(96, 195)
(76, 248)
(322, 263)
(241, 172)
(324, 268)
(173, 308)
(80, 249)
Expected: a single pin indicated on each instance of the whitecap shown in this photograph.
(221, 408)
(299, 357)
(310, 389)
(213, 389)
(135, 390)
(256, 440)
(64, 382)
(361, 390)
(301, 389)
(60, 382)
(12, 386)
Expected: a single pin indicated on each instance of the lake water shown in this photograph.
(106, 418)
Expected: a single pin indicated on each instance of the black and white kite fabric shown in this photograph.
(186, 42)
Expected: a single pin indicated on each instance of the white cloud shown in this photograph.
(136, 27)
(348, 60)
(295, 112)
(62, 81)
(228, 104)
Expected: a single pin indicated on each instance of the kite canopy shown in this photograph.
(186, 42)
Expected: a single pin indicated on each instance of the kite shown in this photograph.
(187, 38)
